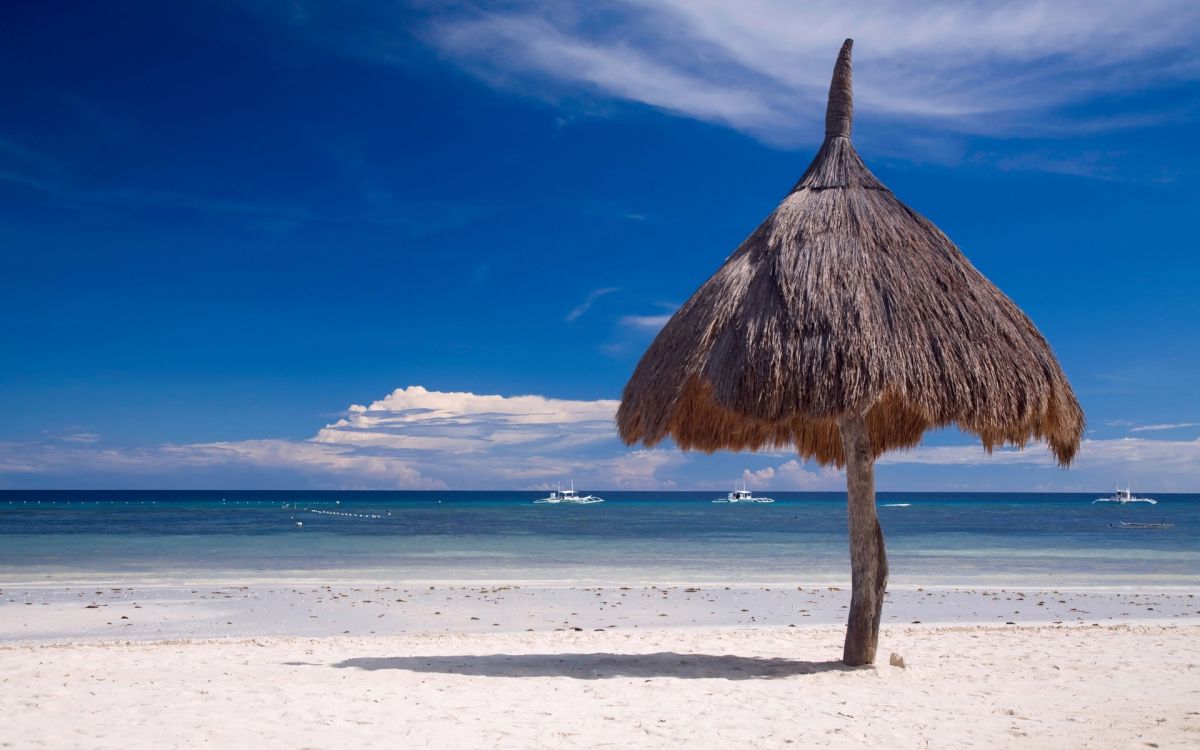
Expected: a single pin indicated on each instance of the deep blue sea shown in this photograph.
(633, 537)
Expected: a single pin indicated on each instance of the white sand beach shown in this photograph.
(476, 666)
(964, 686)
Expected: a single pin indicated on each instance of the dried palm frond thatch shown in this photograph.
(845, 324)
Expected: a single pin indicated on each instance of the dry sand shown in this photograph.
(323, 666)
(1051, 686)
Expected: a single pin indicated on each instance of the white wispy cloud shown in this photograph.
(347, 466)
(762, 66)
(1149, 464)
(78, 437)
(288, 463)
(1158, 427)
(528, 42)
(967, 455)
(586, 305)
(645, 322)
(1173, 455)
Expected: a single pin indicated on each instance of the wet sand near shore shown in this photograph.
(171, 612)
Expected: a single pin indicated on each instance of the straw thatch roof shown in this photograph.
(845, 300)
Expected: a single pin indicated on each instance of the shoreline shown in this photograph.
(154, 613)
(552, 579)
(551, 584)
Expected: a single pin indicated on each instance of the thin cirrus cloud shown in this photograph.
(645, 322)
(1091, 453)
(1151, 464)
(578, 311)
(1160, 427)
(762, 66)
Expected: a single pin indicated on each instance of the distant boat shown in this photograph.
(743, 496)
(1124, 497)
(568, 497)
(1125, 525)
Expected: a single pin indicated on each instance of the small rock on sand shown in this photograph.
(897, 660)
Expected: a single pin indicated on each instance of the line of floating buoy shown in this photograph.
(253, 502)
(84, 502)
(341, 513)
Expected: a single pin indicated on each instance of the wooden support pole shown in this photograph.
(868, 560)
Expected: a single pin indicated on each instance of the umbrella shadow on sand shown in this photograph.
(600, 666)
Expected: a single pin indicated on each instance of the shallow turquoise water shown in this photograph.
(942, 538)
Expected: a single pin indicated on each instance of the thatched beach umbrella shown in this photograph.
(845, 326)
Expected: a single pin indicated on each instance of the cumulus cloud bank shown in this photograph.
(413, 438)
(416, 419)
(416, 438)
(795, 477)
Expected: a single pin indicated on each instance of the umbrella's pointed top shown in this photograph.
(837, 164)
(841, 99)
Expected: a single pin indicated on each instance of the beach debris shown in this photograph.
(896, 660)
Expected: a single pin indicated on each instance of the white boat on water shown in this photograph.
(568, 497)
(1124, 497)
(743, 496)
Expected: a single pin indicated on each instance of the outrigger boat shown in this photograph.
(743, 496)
(1124, 497)
(568, 497)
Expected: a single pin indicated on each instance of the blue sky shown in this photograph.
(254, 244)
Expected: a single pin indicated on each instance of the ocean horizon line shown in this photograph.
(4, 491)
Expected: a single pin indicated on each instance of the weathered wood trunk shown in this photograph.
(868, 561)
